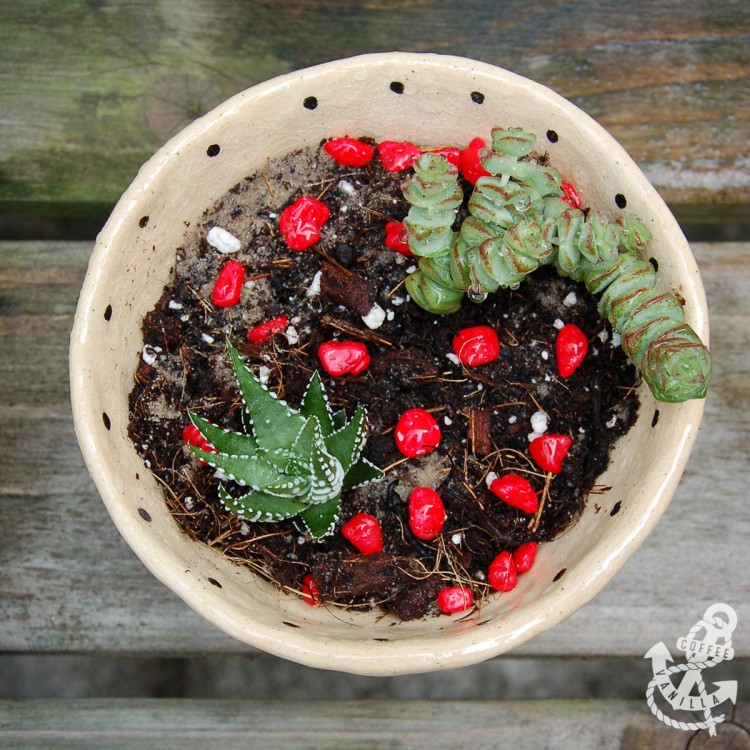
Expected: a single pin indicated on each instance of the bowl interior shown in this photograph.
(442, 100)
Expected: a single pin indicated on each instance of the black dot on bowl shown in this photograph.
(143, 221)
(559, 574)
(552, 136)
(144, 514)
(397, 87)
(213, 149)
(616, 508)
(214, 582)
(108, 312)
(621, 200)
(477, 97)
(289, 624)
(310, 102)
(107, 421)
(384, 640)
(655, 418)
(654, 263)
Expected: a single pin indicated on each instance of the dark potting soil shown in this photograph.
(484, 413)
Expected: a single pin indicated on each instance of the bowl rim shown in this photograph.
(395, 656)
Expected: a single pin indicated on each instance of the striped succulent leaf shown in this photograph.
(296, 463)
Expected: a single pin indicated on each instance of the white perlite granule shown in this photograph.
(539, 422)
(150, 354)
(558, 324)
(314, 289)
(374, 318)
(223, 241)
(570, 300)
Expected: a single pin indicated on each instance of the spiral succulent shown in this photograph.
(297, 463)
(519, 221)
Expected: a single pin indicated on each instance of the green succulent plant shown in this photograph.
(297, 464)
(519, 221)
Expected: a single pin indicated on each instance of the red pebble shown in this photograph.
(453, 155)
(454, 599)
(549, 451)
(471, 167)
(417, 433)
(516, 491)
(364, 532)
(395, 238)
(343, 357)
(397, 156)
(571, 195)
(349, 152)
(502, 574)
(524, 556)
(476, 346)
(192, 436)
(228, 285)
(266, 331)
(426, 513)
(310, 590)
(300, 223)
(570, 348)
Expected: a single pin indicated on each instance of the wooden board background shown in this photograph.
(90, 89)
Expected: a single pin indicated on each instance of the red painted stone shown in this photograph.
(340, 358)
(364, 532)
(454, 599)
(397, 156)
(514, 490)
(549, 451)
(426, 513)
(395, 238)
(524, 556)
(349, 152)
(266, 331)
(417, 433)
(310, 590)
(228, 285)
(476, 346)
(471, 167)
(571, 347)
(502, 574)
(192, 436)
(300, 223)
(570, 195)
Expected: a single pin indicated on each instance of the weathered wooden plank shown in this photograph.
(182, 725)
(69, 583)
(89, 90)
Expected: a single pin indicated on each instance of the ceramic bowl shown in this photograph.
(429, 99)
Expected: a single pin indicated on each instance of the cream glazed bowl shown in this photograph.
(428, 99)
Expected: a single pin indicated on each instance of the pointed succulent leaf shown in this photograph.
(346, 444)
(302, 446)
(260, 506)
(252, 471)
(326, 471)
(225, 441)
(290, 486)
(275, 424)
(361, 473)
(339, 419)
(320, 520)
(315, 404)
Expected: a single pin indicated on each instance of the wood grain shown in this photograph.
(68, 583)
(324, 725)
(89, 90)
